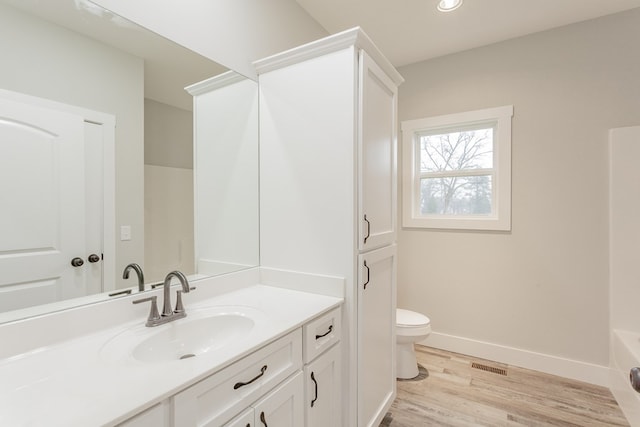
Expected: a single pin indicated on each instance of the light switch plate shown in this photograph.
(125, 232)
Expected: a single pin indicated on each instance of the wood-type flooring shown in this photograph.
(450, 392)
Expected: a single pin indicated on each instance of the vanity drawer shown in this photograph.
(216, 399)
(321, 333)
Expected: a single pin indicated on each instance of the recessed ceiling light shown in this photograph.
(449, 5)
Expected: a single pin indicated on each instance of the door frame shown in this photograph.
(108, 124)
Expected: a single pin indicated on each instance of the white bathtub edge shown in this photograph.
(625, 354)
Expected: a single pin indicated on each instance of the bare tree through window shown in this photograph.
(456, 171)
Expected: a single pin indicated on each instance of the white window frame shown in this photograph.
(500, 219)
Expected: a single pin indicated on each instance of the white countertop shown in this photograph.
(74, 383)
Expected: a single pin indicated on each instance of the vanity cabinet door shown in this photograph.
(376, 334)
(376, 156)
(283, 407)
(323, 387)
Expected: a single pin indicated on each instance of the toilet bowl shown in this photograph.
(411, 327)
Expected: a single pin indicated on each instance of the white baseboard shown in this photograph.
(568, 368)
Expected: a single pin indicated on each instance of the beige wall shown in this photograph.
(543, 286)
(168, 135)
(168, 221)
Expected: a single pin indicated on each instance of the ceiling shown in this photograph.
(409, 31)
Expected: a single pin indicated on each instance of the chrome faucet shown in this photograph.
(168, 314)
(166, 309)
(139, 273)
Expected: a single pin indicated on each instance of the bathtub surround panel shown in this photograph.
(543, 287)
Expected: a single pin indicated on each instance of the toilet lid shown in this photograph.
(410, 318)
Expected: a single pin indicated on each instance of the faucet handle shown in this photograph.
(179, 306)
(153, 312)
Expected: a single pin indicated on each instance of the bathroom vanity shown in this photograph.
(244, 353)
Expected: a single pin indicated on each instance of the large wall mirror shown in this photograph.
(126, 195)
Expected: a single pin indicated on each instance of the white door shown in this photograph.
(42, 210)
(376, 335)
(377, 156)
(94, 206)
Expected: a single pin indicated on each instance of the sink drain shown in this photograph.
(186, 356)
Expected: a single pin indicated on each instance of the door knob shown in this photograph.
(77, 262)
(93, 258)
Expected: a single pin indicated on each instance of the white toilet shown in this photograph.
(411, 327)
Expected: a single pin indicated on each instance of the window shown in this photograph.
(457, 170)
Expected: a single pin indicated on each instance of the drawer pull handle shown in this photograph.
(262, 371)
(326, 333)
(368, 229)
(262, 419)
(315, 384)
(368, 274)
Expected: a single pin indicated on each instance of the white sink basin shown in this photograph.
(202, 331)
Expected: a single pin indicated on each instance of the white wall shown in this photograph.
(543, 287)
(47, 61)
(233, 33)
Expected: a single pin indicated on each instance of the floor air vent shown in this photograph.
(491, 369)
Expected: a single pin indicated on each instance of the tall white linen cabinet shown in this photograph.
(328, 142)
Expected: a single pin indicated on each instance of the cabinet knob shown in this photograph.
(77, 262)
(93, 258)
